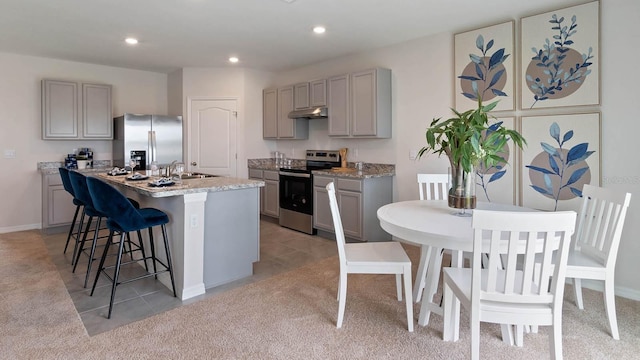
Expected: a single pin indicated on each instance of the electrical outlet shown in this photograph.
(9, 154)
(194, 221)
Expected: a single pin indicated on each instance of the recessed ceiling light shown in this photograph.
(319, 29)
(233, 59)
(131, 41)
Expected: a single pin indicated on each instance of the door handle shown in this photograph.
(193, 163)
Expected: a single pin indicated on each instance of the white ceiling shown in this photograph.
(271, 35)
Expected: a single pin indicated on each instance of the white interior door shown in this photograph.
(212, 136)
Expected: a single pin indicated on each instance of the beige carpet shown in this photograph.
(289, 316)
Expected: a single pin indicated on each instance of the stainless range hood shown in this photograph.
(311, 113)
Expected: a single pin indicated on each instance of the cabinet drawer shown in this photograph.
(350, 185)
(256, 174)
(322, 181)
(271, 175)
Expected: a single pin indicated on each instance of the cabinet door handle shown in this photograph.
(193, 163)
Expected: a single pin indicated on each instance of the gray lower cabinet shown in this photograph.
(57, 204)
(76, 110)
(358, 201)
(270, 193)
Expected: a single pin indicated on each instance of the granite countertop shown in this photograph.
(188, 186)
(369, 170)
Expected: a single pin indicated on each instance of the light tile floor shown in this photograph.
(281, 250)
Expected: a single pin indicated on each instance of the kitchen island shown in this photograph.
(214, 228)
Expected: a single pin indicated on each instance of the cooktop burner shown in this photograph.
(317, 160)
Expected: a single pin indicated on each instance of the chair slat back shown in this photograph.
(433, 186)
(66, 183)
(337, 222)
(518, 237)
(600, 223)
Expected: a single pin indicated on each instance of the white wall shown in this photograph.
(20, 124)
(422, 89)
(242, 84)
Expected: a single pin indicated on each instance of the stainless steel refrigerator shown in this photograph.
(147, 138)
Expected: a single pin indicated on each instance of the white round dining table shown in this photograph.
(433, 223)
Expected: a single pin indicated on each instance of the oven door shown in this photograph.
(296, 192)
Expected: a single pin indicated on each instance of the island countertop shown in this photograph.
(188, 186)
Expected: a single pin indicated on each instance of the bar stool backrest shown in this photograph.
(66, 182)
(115, 206)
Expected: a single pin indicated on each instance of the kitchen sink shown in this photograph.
(196, 175)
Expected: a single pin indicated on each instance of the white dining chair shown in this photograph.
(595, 249)
(431, 187)
(369, 258)
(517, 290)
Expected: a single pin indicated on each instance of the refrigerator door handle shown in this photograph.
(153, 146)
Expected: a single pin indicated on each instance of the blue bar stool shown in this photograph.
(64, 175)
(123, 217)
(79, 184)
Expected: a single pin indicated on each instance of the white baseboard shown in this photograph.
(9, 229)
(621, 291)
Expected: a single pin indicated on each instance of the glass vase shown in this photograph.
(462, 195)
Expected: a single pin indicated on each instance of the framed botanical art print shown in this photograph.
(498, 183)
(560, 58)
(484, 67)
(562, 155)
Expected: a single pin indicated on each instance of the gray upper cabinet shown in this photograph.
(277, 104)
(360, 104)
(318, 93)
(301, 96)
(72, 110)
(97, 120)
(270, 113)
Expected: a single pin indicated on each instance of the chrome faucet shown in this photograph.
(171, 168)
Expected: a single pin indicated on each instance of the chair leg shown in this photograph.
(116, 274)
(153, 252)
(431, 286)
(73, 226)
(144, 255)
(169, 263)
(556, 336)
(421, 275)
(475, 333)
(84, 240)
(342, 297)
(577, 290)
(450, 331)
(75, 246)
(610, 307)
(407, 296)
(93, 251)
(102, 259)
(399, 286)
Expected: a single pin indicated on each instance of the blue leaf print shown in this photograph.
(479, 71)
(577, 175)
(539, 169)
(494, 127)
(475, 59)
(540, 190)
(480, 43)
(554, 130)
(583, 157)
(567, 137)
(496, 58)
(498, 92)
(575, 191)
(547, 183)
(549, 149)
(577, 151)
(489, 44)
(554, 165)
(497, 175)
(469, 96)
(467, 77)
(496, 77)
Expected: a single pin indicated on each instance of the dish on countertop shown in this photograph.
(116, 171)
(137, 176)
(161, 182)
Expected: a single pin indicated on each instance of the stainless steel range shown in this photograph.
(296, 189)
